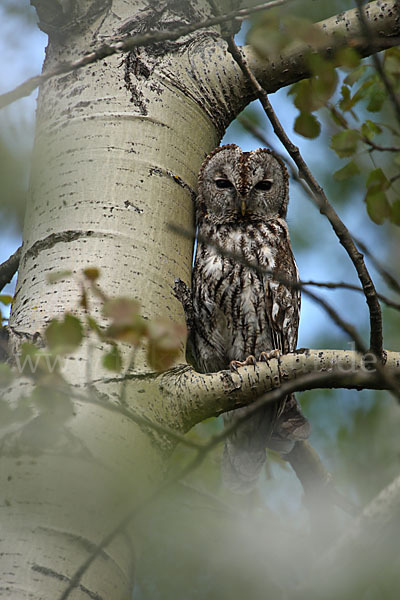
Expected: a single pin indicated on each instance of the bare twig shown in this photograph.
(9, 267)
(376, 340)
(365, 30)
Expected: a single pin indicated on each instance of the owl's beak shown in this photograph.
(243, 207)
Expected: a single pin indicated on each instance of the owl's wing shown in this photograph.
(283, 302)
(283, 310)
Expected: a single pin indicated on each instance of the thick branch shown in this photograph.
(200, 396)
(341, 31)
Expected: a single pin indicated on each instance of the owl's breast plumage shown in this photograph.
(234, 305)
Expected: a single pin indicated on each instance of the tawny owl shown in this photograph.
(238, 312)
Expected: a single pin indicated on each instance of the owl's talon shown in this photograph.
(235, 364)
(266, 356)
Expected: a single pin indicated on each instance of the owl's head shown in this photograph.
(242, 186)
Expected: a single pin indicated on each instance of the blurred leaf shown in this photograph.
(325, 77)
(64, 336)
(300, 28)
(395, 214)
(165, 340)
(266, 36)
(369, 129)
(346, 172)
(345, 102)
(378, 206)
(376, 96)
(113, 360)
(307, 125)
(348, 58)
(345, 142)
(392, 64)
(355, 75)
(91, 273)
(6, 299)
(377, 181)
(127, 324)
(122, 310)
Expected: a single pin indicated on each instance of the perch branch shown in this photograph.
(204, 395)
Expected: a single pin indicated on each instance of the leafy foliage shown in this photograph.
(347, 93)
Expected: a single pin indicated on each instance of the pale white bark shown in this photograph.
(114, 164)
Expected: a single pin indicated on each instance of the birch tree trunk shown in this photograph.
(118, 146)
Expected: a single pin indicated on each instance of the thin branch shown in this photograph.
(344, 123)
(383, 272)
(376, 340)
(9, 267)
(366, 31)
(125, 44)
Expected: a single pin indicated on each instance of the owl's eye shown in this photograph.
(264, 185)
(222, 183)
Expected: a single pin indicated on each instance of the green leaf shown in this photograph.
(6, 299)
(121, 310)
(346, 172)
(266, 36)
(369, 129)
(377, 181)
(113, 360)
(91, 273)
(300, 28)
(355, 75)
(304, 97)
(307, 125)
(376, 96)
(165, 342)
(64, 336)
(345, 142)
(392, 64)
(395, 215)
(378, 206)
(346, 102)
(348, 58)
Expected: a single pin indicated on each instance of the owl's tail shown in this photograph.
(245, 449)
